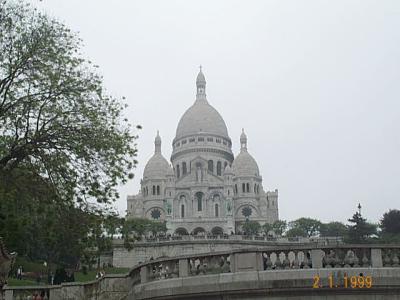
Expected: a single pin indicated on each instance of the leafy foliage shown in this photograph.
(135, 228)
(251, 227)
(305, 227)
(390, 223)
(333, 229)
(37, 226)
(64, 142)
(360, 230)
(55, 117)
(279, 227)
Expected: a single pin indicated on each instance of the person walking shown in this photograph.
(19, 273)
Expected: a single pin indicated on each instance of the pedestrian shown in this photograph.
(19, 273)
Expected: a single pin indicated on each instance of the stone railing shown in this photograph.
(265, 260)
(173, 238)
(269, 258)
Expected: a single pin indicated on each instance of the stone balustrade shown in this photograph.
(271, 258)
(169, 238)
(307, 259)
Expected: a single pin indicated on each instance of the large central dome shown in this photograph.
(201, 117)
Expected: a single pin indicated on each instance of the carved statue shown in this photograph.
(229, 207)
(199, 175)
(6, 262)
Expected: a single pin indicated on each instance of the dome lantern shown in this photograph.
(201, 86)
(243, 141)
(157, 143)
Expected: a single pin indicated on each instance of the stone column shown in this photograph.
(316, 258)
(376, 258)
(232, 262)
(8, 295)
(143, 274)
(260, 261)
(183, 268)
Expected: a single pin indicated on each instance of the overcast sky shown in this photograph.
(315, 84)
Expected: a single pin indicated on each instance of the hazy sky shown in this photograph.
(315, 84)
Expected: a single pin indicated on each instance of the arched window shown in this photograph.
(255, 188)
(219, 166)
(248, 187)
(199, 197)
(236, 189)
(178, 172)
(154, 189)
(243, 188)
(211, 166)
(182, 211)
(258, 189)
(184, 170)
(147, 191)
(158, 190)
(216, 210)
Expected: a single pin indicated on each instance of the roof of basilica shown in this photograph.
(201, 117)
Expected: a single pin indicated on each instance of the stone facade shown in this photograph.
(206, 189)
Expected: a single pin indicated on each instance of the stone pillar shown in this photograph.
(232, 262)
(260, 261)
(8, 295)
(376, 258)
(246, 261)
(183, 268)
(143, 274)
(316, 258)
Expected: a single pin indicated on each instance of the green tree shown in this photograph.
(251, 227)
(64, 143)
(296, 232)
(360, 230)
(157, 227)
(279, 227)
(55, 116)
(305, 227)
(266, 228)
(390, 222)
(333, 229)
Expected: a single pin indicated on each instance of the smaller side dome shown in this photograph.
(157, 167)
(244, 164)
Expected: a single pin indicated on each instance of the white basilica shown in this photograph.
(206, 189)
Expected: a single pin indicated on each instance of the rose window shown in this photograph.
(155, 214)
(246, 211)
